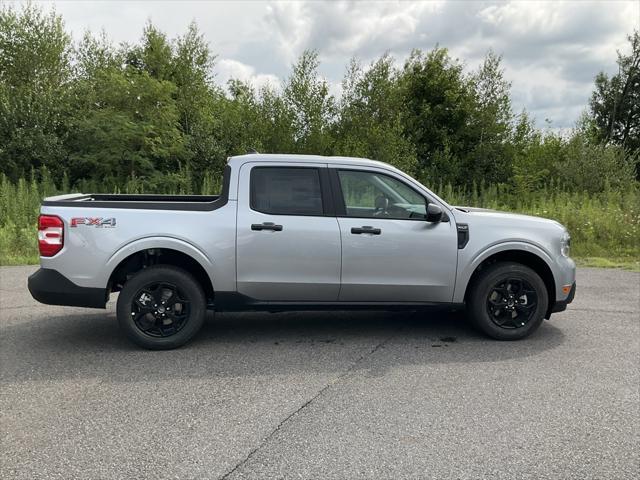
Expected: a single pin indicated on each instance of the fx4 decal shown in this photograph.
(93, 222)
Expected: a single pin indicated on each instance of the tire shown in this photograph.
(496, 296)
(176, 320)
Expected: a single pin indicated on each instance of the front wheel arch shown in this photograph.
(522, 257)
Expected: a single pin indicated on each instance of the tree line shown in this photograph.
(150, 116)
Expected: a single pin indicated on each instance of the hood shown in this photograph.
(495, 216)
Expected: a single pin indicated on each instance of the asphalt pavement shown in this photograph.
(343, 395)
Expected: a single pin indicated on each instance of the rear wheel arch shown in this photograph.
(147, 257)
(529, 259)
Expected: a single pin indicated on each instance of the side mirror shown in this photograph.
(434, 213)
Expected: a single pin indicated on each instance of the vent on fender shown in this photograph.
(463, 235)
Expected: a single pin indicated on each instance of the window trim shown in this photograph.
(340, 205)
(326, 195)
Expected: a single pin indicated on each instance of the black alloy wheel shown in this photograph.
(507, 300)
(512, 302)
(160, 309)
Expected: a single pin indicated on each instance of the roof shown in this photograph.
(279, 157)
(239, 160)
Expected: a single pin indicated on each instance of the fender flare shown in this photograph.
(146, 243)
(463, 277)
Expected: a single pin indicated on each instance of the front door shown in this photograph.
(288, 239)
(389, 252)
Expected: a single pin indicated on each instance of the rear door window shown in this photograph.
(286, 191)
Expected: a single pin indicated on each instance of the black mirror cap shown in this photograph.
(434, 213)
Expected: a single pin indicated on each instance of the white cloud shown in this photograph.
(227, 69)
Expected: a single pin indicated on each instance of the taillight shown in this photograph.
(50, 235)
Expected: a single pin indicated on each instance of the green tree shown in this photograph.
(490, 127)
(154, 55)
(196, 98)
(438, 101)
(370, 118)
(242, 126)
(534, 156)
(34, 73)
(125, 122)
(278, 132)
(615, 102)
(307, 102)
(583, 165)
(162, 100)
(94, 54)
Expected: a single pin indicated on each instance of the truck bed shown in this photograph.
(138, 201)
(144, 201)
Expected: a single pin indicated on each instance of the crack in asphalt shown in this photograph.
(286, 420)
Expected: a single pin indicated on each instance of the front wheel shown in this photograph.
(161, 307)
(508, 301)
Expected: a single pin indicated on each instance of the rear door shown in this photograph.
(288, 239)
(389, 252)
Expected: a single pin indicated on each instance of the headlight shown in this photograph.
(565, 244)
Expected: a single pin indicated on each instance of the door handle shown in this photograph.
(266, 226)
(366, 229)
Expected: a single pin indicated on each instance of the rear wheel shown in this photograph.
(161, 307)
(508, 301)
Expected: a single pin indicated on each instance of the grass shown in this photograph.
(600, 262)
(605, 227)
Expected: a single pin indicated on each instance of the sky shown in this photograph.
(551, 50)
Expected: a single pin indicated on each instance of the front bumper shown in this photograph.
(52, 288)
(561, 305)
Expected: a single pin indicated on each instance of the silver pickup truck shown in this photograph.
(296, 232)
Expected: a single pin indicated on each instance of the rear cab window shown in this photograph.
(286, 191)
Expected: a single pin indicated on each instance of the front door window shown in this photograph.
(372, 194)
